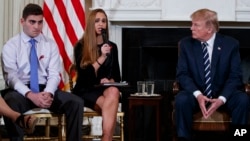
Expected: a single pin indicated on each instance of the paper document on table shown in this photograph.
(115, 84)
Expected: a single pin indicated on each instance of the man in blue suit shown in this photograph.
(226, 76)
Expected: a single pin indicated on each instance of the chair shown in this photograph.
(91, 113)
(45, 119)
(219, 121)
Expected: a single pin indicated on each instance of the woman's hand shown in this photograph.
(106, 80)
(105, 49)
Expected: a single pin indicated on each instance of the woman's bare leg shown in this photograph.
(109, 104)
(5, 110)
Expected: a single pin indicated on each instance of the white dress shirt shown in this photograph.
(210, 43)
(16, 64)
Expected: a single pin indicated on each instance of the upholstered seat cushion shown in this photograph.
(87, 109)
(217, 116)
(218, 121)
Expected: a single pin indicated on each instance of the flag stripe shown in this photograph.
(79, 12)
(52, 25)
(61, 84)
(64, 22)
(69, 28)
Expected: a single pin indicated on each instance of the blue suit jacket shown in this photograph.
(225, 66)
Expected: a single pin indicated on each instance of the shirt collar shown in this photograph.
(210, 41)
(26, 38)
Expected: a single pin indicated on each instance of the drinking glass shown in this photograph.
(141, 87)
(150, 86)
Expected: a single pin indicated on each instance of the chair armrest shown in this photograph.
(175, 87)
(247, 88)
(72, 68)
(72, 73)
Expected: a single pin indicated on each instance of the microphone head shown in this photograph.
(105, 38)
(103, 31)
(104, 35)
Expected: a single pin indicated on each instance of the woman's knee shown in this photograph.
(113, 92)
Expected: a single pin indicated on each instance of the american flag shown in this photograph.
(65, 23)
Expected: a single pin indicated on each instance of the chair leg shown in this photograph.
(121, 128)
(47, 127)
(60, 128)
(63, 128)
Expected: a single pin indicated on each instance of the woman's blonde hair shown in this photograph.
(90, 50)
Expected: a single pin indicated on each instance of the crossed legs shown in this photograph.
(27, 122)
(109, 105)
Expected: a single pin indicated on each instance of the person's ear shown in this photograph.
(22, 20)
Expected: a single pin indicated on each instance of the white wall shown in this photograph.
(172, 10)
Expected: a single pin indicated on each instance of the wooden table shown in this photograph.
(154, 101)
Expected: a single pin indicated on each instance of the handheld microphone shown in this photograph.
(105, 38)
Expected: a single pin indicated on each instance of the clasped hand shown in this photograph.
(208, 106)
(41, 99)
